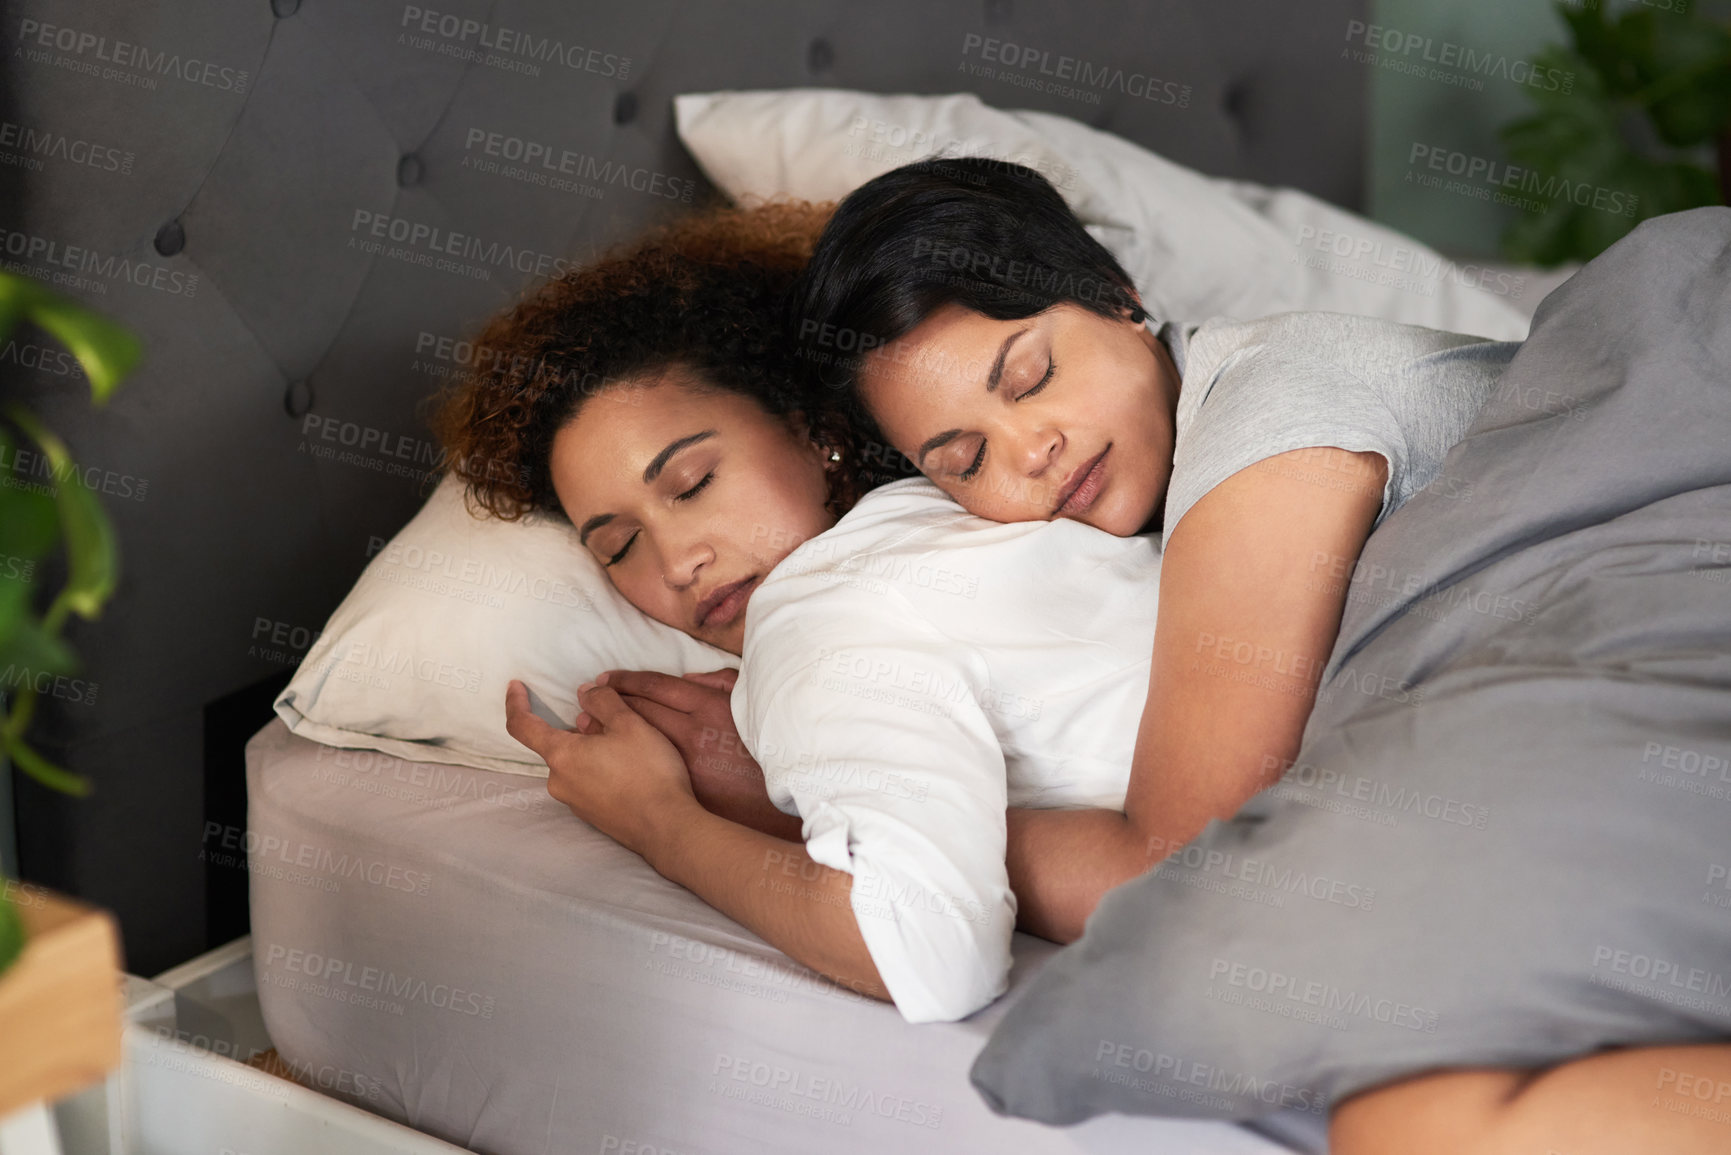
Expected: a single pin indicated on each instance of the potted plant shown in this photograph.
(33, 520)
(1648, 116)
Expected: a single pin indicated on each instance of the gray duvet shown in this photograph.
(1507, 838)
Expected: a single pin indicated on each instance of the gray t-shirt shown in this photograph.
(1253, 389)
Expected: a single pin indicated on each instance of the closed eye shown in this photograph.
(973, 470)
(620, 556)
(1051, 367)
(696, 489)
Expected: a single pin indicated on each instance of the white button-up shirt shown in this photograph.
(915, 670)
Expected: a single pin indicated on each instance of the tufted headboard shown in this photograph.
(291, 202)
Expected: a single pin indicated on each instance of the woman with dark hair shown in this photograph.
(647, 399)
(1000, 347)
(628, 381)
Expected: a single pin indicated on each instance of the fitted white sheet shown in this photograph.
(488, 969)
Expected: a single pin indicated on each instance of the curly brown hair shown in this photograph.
(705, 292)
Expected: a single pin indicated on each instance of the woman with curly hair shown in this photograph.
(630, 381)
(648, 400)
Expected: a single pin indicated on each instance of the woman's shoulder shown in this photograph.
(908, 553)
(1361, 344)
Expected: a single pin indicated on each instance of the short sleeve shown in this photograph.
(868, 720)
(1259, 402)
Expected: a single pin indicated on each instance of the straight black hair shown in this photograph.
(989, 235)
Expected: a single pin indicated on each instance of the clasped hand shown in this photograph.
(644, 744)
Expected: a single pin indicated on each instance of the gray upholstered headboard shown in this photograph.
(208, 172)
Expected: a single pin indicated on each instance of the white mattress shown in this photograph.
(451, 948)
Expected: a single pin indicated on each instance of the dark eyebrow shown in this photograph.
(591, 526)
(937, 442)
(650, 473)
(654, 468)
(997, 372)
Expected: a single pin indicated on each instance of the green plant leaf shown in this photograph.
(1599, 50)
(29, 525)
(1676, 71)
(26, 646)
(11, 931)
(43, 770)
(1685, 74)
(92, 558)
(106, 351)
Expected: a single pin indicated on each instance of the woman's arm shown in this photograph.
(1675, 1100)
(1253, 584)
(693, 712)
(619, 774)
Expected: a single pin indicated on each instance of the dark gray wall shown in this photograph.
(239, 141)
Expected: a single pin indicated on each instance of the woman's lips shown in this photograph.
(1086, 486)
(722, 606)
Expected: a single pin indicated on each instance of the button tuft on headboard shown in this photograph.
(170, 238)
(997, 11)
(408, 171)
(1234, 98)
(625, 108)
(297, 399)
(820, 56)
(285, 7)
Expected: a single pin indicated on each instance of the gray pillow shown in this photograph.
(1507, 836)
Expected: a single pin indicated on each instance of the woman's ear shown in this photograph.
(1134, 310)
(830, 455)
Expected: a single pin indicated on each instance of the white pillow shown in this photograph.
(1195, 246)
(415, 660)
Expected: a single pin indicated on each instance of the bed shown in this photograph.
(497, 974)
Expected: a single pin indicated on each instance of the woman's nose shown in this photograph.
(1037, 449)
(683, 563)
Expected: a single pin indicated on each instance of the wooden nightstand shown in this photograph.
(60, 1013)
